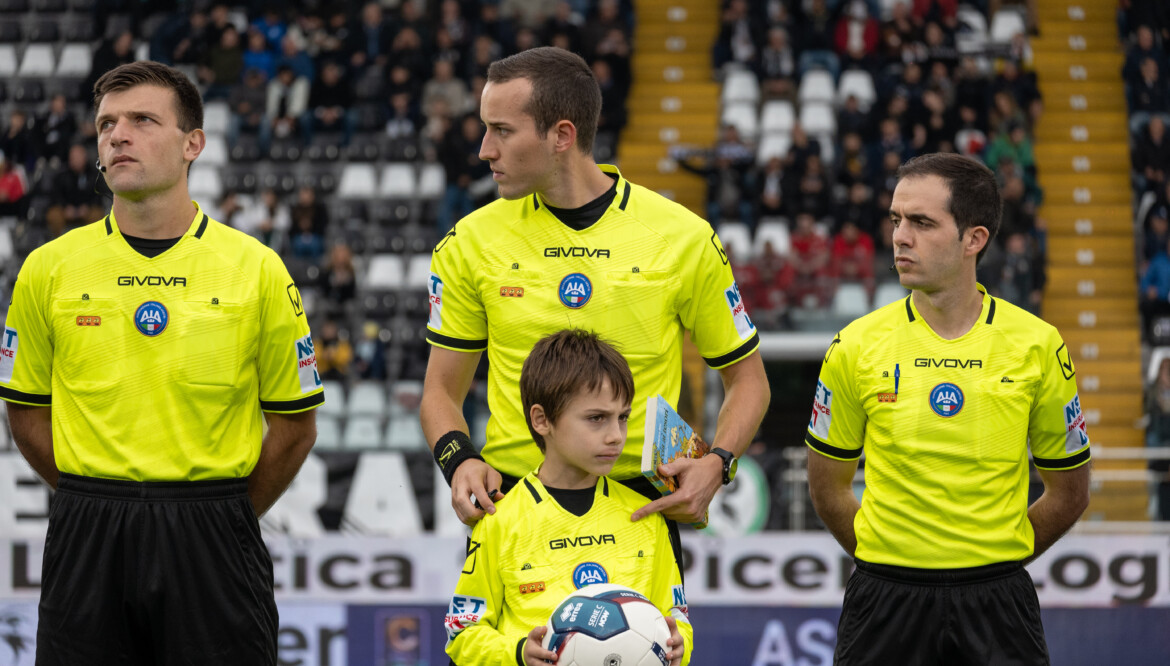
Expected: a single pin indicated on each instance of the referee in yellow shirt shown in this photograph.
(945, 391)
(141, 357)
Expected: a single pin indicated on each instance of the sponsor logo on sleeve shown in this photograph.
(463, 612)
(294, 297)
(307, 365)
(822, 412)
(679, 600)
(435, 294)
(7, 354)
(743, 323)
(1076, 436)
(1064, 360)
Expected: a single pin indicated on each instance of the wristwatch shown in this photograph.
(730, 464)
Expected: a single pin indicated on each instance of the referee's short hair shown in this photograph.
(563, 88)
(975, 200)
(566, 363)
(188, 102)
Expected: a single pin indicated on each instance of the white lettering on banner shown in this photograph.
(24, 498)
(311, 635)
(18, 629)
(814, 638)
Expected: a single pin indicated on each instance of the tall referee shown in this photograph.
(946, 391)
(142, 355)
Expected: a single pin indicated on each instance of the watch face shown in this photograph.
(731, 469)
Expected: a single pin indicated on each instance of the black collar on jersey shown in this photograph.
(151, 247)
(990, 309)
(536, 496)
(198, 232)
(586, 216)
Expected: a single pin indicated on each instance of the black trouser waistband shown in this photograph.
(151, 490)
(942, 577)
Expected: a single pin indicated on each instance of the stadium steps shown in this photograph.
(674, 98)
(1082, 157)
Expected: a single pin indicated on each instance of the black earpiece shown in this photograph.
(98, 164)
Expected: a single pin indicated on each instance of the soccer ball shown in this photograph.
(607, 625)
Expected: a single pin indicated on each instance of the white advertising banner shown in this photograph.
(806, 569)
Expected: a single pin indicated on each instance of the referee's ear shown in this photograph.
(975, 240)
(564, 135)
(196, 141)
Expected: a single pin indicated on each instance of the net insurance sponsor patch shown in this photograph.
(822, 412)
(435, 295)
(743, 323)
(1076, 436)
(7, 354)
(307, 365)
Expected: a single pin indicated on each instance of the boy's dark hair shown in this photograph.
(974, 195)
(563, 88)
(566, 363)
(188, 102)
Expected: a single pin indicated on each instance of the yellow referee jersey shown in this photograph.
(511, 273)
(157, 369)
(946, 426)
(532, 553)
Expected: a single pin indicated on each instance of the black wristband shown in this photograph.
(451, 450)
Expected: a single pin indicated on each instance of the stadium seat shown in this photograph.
(216, 117)
(737, 236)
(432, 181)
(971, 35)
(888, 292)
(405, 396)
(418, 271)
(818, 118)
(744, 117)
(366, 398)
(1006, 23)
(740, 86)
(13, 6)
(399, 182)
(37, 61)
(8, 63)
(358, 181)
(76, 60)
(859, 83)
(386, 272)
(828, 147)
(361, 432)
(215, 152)
(328, 433)
(77, 30)
(43, 32)
(816, 86)
(204, 183)
(29, 92)
(404, 433)
(775, 230)
(10, 32)
(850, 301)
(777, 116)
(334, 398)
(7, 249)
(246, 149)
(1156, 357)
(773, 145)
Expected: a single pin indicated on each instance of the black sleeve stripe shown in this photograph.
(298, 405)
(455, 343)
(520, 651)
(830, 450)
(735, 355)
(1063, 463)
(26, 398)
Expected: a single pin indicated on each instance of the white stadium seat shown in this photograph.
(386, 272)
(773, 145)
(850, 301)
(362, 432)
(215, 152)
(399, 182)
(334, 398)
(205, 184)
(358, 181)
(8, 62)
(418, 271)
(971, 36)
(743, 116)
(777, 116)
(774, 230)
(367, 398)
(738, 237)
(859, 83)
(76, 61)
(816, 86)
(432, 181)
(404, 433)
(328, 432)
(818, 118)
(888, 292)
(740, 86)
(37, 61)
(1006, 23)
(216, 117)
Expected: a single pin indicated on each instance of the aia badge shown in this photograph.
(575, 290)
(946, 399)
(151, 318)
(589, 573)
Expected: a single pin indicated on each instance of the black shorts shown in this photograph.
(985, 616)
(155, 573)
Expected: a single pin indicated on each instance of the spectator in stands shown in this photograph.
(484, 52)
(334, 353)
(117, 50)
(56, 129)
(852, 120)
(180, 39)
(810, 259)
(331, 105)
(814, 26)
(304, 243)
(1151, 96)
(266, 218)
(1151, 157)
(853, 161)
(973, 90)
(725, 168)
(899, 32)
(1005, 113)
(446, 50)
(939, 46)
(856, 36)
(493, 35)
(770, 191)
(332, 38)
(883, 243)
(939, 11)
(222, 66)
(884, 178)
(777, 66)
(368, 42)
(1023, 88)
(802, 146)
(1145, 47)
(1021, 197)
(774, 276)
(338, 278)
(1155, 290)
(247, 102)
(227, 209)
(851, 256)
(1156, 234)
(1021, 279)
(1158, 436)
(293, 55)
(75, 200)
(813, 191)
(271, 25)
(936, 120)
(258, 56)
(369, 354)
(613, 111)
(445, 87)
(406, 50)
(598, 27)
(858, 210)
(219, 20)
(403, 122)
(288, 99)
(309, 213)
(970, 139)
(13, 187)
(889, 140)
(1013, 146)
(740, 38)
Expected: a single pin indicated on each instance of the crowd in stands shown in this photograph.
(839, 93)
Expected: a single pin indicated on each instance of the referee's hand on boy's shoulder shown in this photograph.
(698, 481)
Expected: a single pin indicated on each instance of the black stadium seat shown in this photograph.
(13, 6)
(44, 31)
(77, 30)
(29, 92)
(46, 6)
(9, 32)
